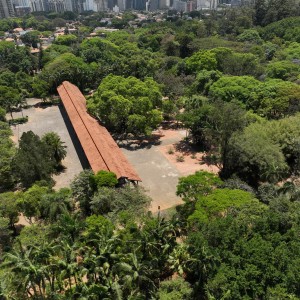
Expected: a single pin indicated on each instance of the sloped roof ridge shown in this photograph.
(98, 135)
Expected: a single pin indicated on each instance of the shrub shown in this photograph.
(16, 121)
(105, 178)
(180, 158)
(170, 151)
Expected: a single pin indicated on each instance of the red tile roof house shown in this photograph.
(100, 149)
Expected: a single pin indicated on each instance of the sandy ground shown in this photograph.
(159, 170)
(22, 221)
(192, 161)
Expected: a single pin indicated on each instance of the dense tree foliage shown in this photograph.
(231, 78)
(36, 159)
(127, 105)
(7, 151)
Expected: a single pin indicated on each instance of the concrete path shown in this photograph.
(159, 176)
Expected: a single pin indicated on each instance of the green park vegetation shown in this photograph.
(231, 78)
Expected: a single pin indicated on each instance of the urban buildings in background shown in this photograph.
(6, 9)
(9, 8)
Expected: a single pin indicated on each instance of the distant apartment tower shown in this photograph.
(101, 5)
(206, 4)
(21, 11)
(6, 9)
(121, 4)
(139, 4)
(164, 4)
(152, 5)
(179, 5)
(90, 5)
(56, 5)
(38, 5)
(191, 5)
(94, 5)
(236, 2)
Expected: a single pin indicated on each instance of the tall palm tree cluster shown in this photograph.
(90, 259)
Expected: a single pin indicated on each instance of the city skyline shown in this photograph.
(11, 8)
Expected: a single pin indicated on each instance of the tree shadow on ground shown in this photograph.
(211, 160)
(186, 148)
(175, 125)
(43, 105)
(133, 144)
(60, 169)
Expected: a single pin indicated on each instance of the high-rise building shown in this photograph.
(153, 5)
(56, 5)
(90, 5)
(164, 4)
(38, 5)
(235, 2)
(191, 5)
(139, 4)
(6, 9)
(207, 4)
(21, 3)
(21, 11)
(101, 5)
(121, 4)
(94, 5)
(179, 5)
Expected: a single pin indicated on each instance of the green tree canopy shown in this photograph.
(275, 99)
(9, 98)
(68, 67)
(31, 38)
(218, 203)
(55, 147)
(202, 183)
(228, 88)
(99, 50)
(127, 105)
(30, 202)
(105, 178)
(250, 35)
(255, 157)
(31, 162)
(66, 40)
(7, 152)
(9, 207)
(285, 70)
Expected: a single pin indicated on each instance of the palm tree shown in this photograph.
(56, 147)
(133, 277)
(55, 204)
(21, 263)
(67, 227)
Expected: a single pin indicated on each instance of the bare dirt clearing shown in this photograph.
(159, 170)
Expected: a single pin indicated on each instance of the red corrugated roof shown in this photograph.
(100, 148)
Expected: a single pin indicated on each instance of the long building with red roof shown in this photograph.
(100, 149)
